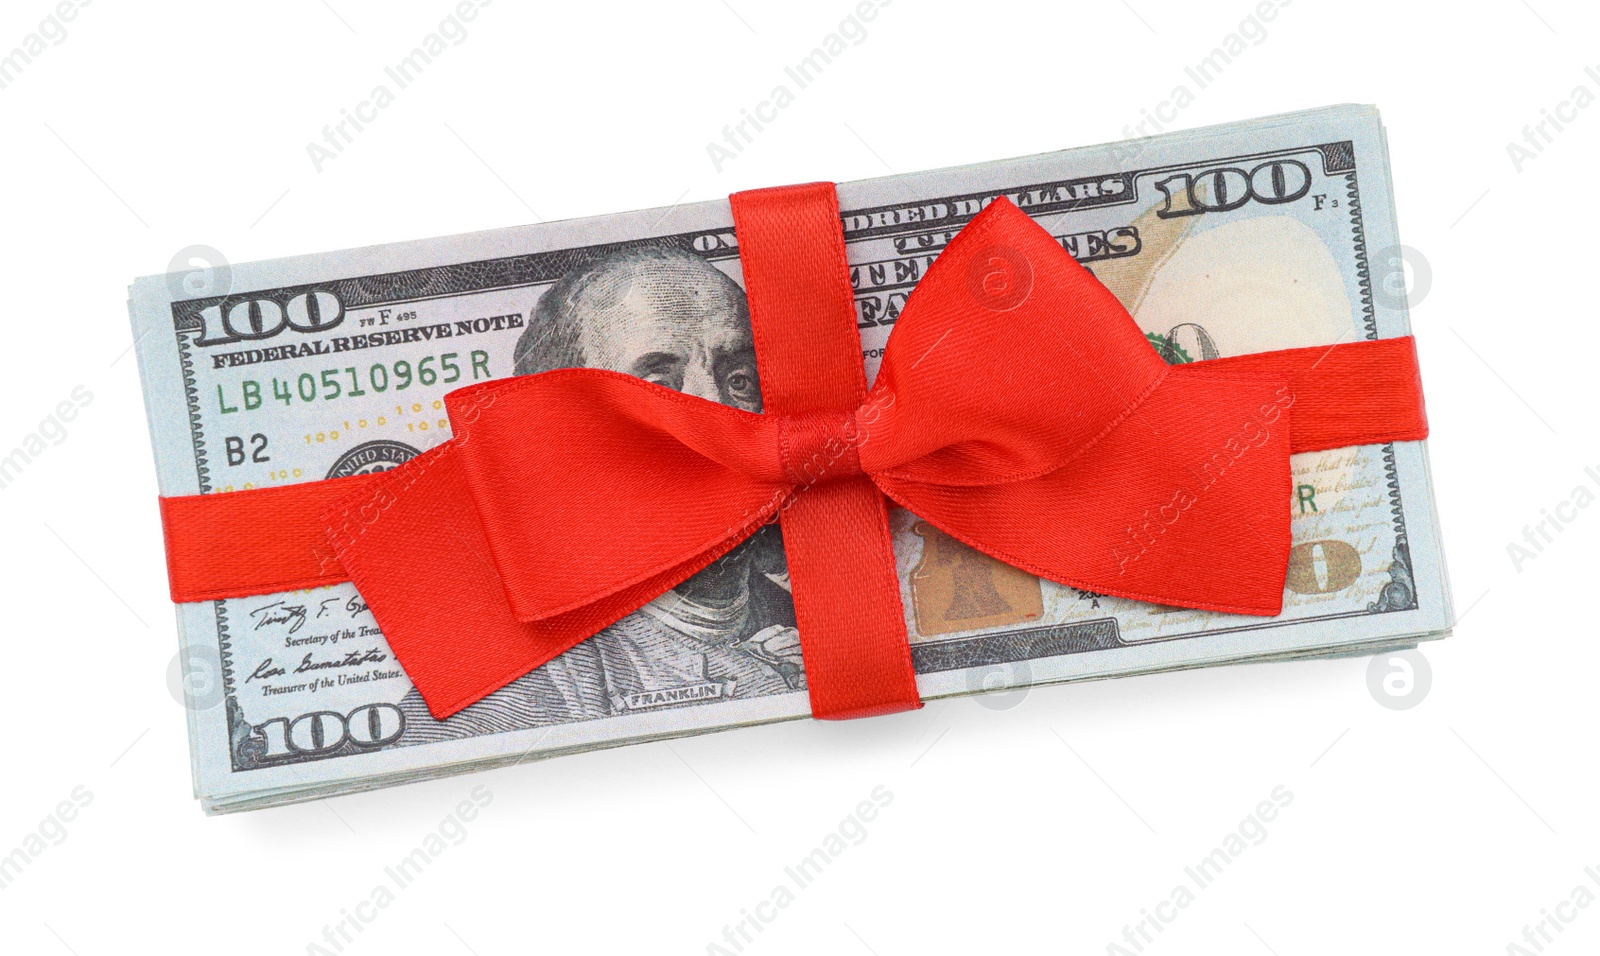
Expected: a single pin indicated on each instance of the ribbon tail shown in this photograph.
(1184, 502)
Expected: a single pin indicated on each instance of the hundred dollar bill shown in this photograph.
(1268, 234)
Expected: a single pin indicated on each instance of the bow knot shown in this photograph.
(821, 446)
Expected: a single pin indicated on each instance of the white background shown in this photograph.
(1047, 826)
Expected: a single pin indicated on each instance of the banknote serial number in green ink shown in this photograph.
(354, 381)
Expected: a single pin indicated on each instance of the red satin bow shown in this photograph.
(1018, 408)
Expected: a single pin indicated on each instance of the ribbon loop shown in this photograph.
(1063, 360)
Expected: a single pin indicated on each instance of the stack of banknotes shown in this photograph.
(1269, 234)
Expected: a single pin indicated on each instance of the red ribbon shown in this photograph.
(1018, 409)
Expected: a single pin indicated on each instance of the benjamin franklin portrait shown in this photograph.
(671, 318)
